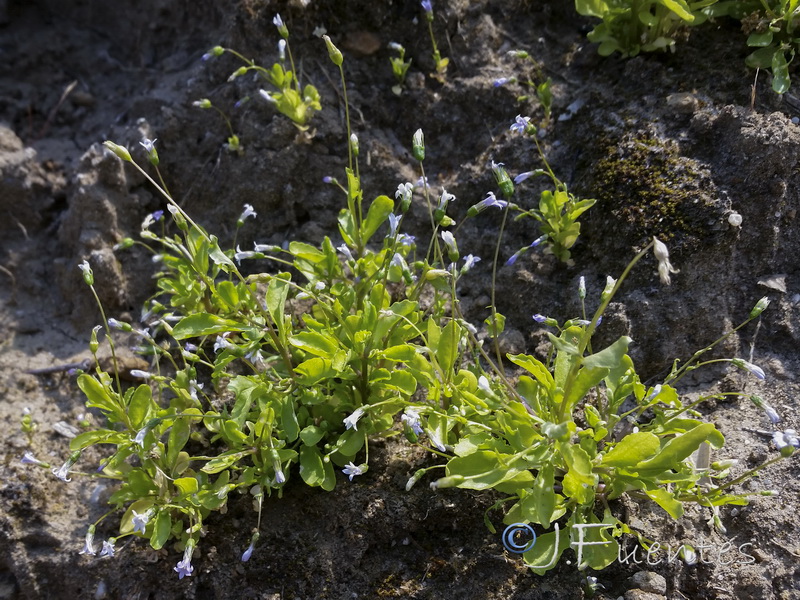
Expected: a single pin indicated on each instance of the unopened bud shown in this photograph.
(447, 482)
(503, 180)
(418, 145)
(760, 307)
(333, 52)
(120, 151)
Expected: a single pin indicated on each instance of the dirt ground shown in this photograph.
(669, 144)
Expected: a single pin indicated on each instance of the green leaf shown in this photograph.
(161, 530)
(579, 482)
(140, 405)
(547, 550)
(314, 370)
(482, 470)
(679, 448)
(534, 367)
(780, 73)
(378, 211)
(99, 436)
(277, 291)
(318, 344)
(228, 293)
(289, 420)
(760, 40)
(224, 461)
(97, 396)
(539, 504)
(680, 8)
(200, 324)
(401, 353)
(218, 256)
(609, 358)
(666, 500)
(178, 436)
(632, 449)
(311, 435)
(187, 485)
(447, 352)
(312, 469)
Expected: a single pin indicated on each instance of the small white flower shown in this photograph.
(520, 124)
(483, 384)
(221, 344)
(267, 96)
(750, 367)
(148, 145)
(469, 262)
(434, 438)
(139, 374)
(88, 544)
(444, 200)
(394, 221)
(62, 472)
(29, 459)
(282, 50)
(243, 254)
(351, 421)
(248, 212)
(662, 256)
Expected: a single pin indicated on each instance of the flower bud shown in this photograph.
(354, 144)
(503, 180)
(414, 479)
(88, 275)
(448, 482)
(418, 145)
(202, 103)
(760, 307)
(282, 29)
(333, 52)
(120, 151)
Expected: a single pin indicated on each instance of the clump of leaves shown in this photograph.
(633, 26)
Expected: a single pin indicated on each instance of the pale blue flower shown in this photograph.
(427, 6)
(139, 374)
(267, 96)
(29, 459)
(750, 367)
(501, 81)
(520, 124)
(444, 200)
(539, 318)
(411, 418)
(88, 544)
(277, 21)
(394, 222)
(488, 202)
(352, 470)
(406, 240)
(344, 249)
(782, 439)
(241, 255)
(184, 567)
(399, 261)
(62, 471)
(469, 262)
(140, 521)
(248, 553)
(221, 344)
(523, 176)
(108, 548)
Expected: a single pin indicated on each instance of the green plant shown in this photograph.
(260, 378)
(399, 67)
(542, 90)
(558, 210)
(633, 26)
(773, 27)
(289, 98)
(441, 63)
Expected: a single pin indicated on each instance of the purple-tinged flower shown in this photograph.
(277, 21)
(523, 176)
(184, 567)
(351, 421)
(411, 418)
(140, 521)
(513, 258)
(406, 240)
(221, 344)
(352, 470)
(267, 96)
(344, 249)
(327, 179)
(88, 544)
(62, 471)
(148, 145)
(215, 51)
(249, 552)
(784, 439)
(190, 347)
(771, 413)
(399, 261)
(108, 548)
(502, 81)
(422, 182)
(539, 318)
(427, 6)
(747, 366)
(434, 438)
(279, 476)
(444, 200)
(88, 275)
(29, 459)
(655, 392)
(158, 215)
(394, 222)
(470, 261)
(520, 124)
(488, 202)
